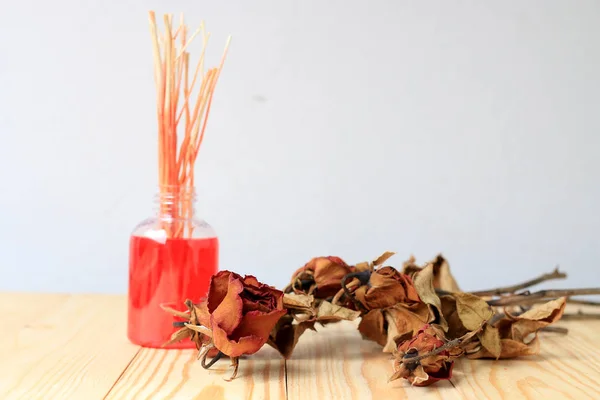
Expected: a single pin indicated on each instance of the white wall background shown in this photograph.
(347, 128)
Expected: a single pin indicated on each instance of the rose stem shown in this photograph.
(212, 362)
(520, 299)
(556, 274)
(583, 302)
(557, 329)
(363, 278)
(579, 316)
(448, 345)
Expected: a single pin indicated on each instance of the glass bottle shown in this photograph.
(171, 259)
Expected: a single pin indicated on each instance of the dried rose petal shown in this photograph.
(241, 313)
(326, 273)
(386, 288)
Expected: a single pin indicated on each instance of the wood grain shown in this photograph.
(177, 374)
(61, 346)
(75, 347)
(567, 367)
(338, 364)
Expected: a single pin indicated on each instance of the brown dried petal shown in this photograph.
(386, 288)
(383, 258)
(402, 319)
(228, 314)
(427, 370)
(372, 327)
(218, 287)
(251, 334)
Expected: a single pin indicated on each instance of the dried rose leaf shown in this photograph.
(455, 326)
(286, 336)
(423, 282)
(547, 312)
(472, 310)
(490, 340)
(180, 314)
(443, 279)
(178, 335)
(200, 329)
(518, 334)
(298, 301)
(510, 349)
(521, 327)
(328, 311)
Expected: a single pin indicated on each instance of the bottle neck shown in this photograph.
(175, 202)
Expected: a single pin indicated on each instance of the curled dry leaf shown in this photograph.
(455, 326)
(197, 314)
(331, 312)
(286, 333)
(519, 334)
(489, 338)
(423, 282)
(298, 301)
(441, 276)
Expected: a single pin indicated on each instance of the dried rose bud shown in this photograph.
(325, 273)
(427, 370)
(386, 288)
(242, 312)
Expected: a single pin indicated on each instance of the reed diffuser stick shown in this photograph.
(177, 155)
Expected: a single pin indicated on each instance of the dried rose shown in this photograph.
(242, 312)
(387, 287)
(409, 365)
(325, 273)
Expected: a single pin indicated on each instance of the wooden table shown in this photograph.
(74, 347)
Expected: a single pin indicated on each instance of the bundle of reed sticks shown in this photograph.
(183, 100)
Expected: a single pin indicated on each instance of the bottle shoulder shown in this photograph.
(156, 228)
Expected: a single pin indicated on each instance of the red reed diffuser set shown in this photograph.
(173, 255)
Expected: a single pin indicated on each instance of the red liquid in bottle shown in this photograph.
(166, 273)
